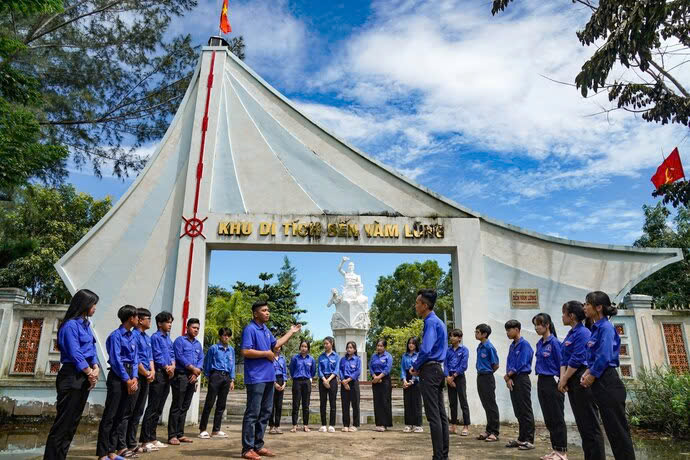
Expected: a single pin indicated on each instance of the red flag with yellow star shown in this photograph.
(224, 21)
(669, 171)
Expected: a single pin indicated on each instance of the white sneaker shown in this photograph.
(331, 429)
(220, 434)
(323, 429)
(407, 429)
(418, 429)
(158, 444)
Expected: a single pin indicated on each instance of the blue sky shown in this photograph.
(457, 100)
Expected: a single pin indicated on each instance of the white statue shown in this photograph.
(352, 306)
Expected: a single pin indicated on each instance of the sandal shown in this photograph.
(491, 438)
(465, 432)
(128, 454)
(293, 429)
(174, 442)
(185, 439)
(513, 443)
(483, 436)
(204, 435)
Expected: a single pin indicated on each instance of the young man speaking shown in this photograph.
(257, 349)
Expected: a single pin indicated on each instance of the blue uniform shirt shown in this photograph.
(188, 351)
(77, 344)
(122, 349)
(144, 345)
(486, 358)
(434, 341)
(520, 356)
(574, 349)
(328, 364)
(603, 347)
(350, 367)
(548, 357)
(220, 358)
(162, 349)
(255, 337)
(406, 362)
(381, 363)
(280, 367)
(456, 360)
(302, 367)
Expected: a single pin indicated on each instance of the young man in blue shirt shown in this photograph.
(454, 369)
(146, 374)
(122, 384)
(429, 367)
(258, 344)
(164, 366)
(487, 364)
(189, 359)
(219, 368)
(518, 369)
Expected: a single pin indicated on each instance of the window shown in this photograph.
(624, 349)
(626, 371)
(27, 348)
(620, 328)
(675, 347)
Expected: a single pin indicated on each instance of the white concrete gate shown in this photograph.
(242, 168)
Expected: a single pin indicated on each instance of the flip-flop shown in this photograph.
(483, 436)
(174, 442)
(491, 438)
(464, 433)
(185, 439)
(513, 443)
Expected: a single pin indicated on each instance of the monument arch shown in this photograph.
(242, 168)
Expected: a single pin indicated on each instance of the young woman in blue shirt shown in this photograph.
(278, 393)
(601, 374)
(548, 369)
(350, 372)
(328, 383)
(412, 398)
(573, 366)
(302, 371)
(380, 366)
(78, 373)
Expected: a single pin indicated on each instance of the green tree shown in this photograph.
(24, 156)
(55, 219)
(397, 338)
(111, 72)
(393, 304)
(652, 37)
(288, 274)
(233, 311)
(670, 286)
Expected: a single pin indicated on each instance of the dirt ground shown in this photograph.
(365, 444)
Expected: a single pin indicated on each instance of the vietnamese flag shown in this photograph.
(669, 171)
(224, 21)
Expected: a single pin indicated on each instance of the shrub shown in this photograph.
(660, 401)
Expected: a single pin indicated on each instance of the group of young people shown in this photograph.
(145, 368)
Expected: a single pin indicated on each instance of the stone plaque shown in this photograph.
(524, 298)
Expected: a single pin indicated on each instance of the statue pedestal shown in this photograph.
(359, 336)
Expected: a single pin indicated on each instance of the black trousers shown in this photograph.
(137, 412)
(486, 387)
(350, 397)
(301, 393)
(521, 397)
(118, 409)
(158, 394)
(277, 410)
(552, 405)
(582, 404)
(412, 399)
(383, 402)
(182, 393)
(218, 389)
(609, 394)
(455, 394)
(431, 380)
(329, 394)
(72, 387)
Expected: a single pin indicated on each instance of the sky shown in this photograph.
(460, 101)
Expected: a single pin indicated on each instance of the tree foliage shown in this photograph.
(111, 72)
(648, 36)
(670, 286)
(53, 220)
(393, 305)
(397, 338)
